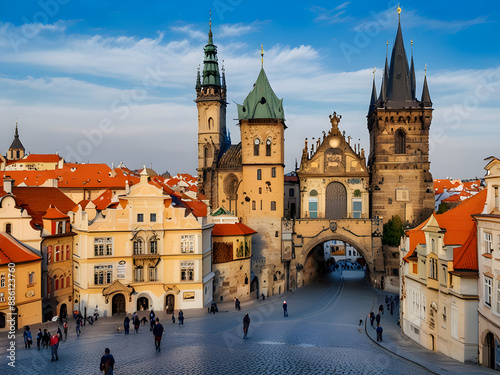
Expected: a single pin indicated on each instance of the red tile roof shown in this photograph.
(13, 251)
(54, 214)
(103, 200)
(237, 229)
(37, 158)
(465, 257)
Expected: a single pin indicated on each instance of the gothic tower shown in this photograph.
(16, 149)
(211, 103)
(262, 125)
(400, 179)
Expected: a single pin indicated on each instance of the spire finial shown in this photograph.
(411, 42)
(374, 70)
(399, 13)
(425, 68)
(386, 49)
(262, 55)
(210, 21)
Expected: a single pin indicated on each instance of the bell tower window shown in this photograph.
(400, 142)
(256, 146)
(268, 147)
(210, 123)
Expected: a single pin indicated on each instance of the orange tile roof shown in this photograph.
(54, 214)
(13, 251)
(37, 158)
(103, 200)
(236, 229)
(440, 185)
(458, 223)
(465, 257)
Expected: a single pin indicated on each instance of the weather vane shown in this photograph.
(262, 55)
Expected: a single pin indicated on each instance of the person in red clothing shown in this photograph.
(54, 344)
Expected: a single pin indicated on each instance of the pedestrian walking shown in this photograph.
(151, 320)
(381, 309)
(126, 325)
(143, 320)
(158, 332)
(137, 323)
(107, 363)
(246, 324)
(65, 329)
(285, 309)
(28, 340)
(59, 333)
(392, 307)
(78, 328)
(372, 318)
(181, 318)
(54, 345)
(173, 318)
(46, 338)
(379, 332)
(377, 318)
(212, 307)
(263, 297)
(39, 338)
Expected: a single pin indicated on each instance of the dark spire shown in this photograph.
(398, 86)
(211, 75)
(426, 98)
(373, 101)
(198, 80)
(16, 143)
(223, 76)
(383, 89)
(413, 81)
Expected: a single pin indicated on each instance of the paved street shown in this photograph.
(321, 336)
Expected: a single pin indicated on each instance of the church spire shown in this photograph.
(426, 97)
(383, 89)
(413, 81)
(211, 75)
(373, 101)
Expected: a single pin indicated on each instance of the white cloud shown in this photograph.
(236, 29)
(335, 15)
(190, 32)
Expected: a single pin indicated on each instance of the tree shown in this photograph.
(443, 207)
(393, 231)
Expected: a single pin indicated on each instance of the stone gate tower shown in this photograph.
(398, 123)
(212, 134)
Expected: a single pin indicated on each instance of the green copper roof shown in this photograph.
(262, 102)
(211, 75)
(221, 211)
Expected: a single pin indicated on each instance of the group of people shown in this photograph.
(378, 317)
(44, 339)
(152, 321)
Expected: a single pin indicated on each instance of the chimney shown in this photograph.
(8, 183)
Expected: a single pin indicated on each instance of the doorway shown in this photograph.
(63, 311)
(142, 304)
(489, 351)
(118, 304)
(170, 303)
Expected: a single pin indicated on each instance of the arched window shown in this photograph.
(67, 252)
(313, 204)
(58, 250)
(8, 228)
(60, 227)
(57, 284)
(153, 246)
(67, 281)
(268, 147)
(256, 146)
(62, 282)
(400, 142)
(210, 123)
(138, 246)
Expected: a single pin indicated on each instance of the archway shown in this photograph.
(118, 304)
(63, 311)
(170, 303)
(254, 288)
(489, 350)
(142, 304)
(335, 201)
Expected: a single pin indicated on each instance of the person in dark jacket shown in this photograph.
(285, 309)
(151, 320)
(379, 332)
(246, 324)
(137, 323)
(126, 325)
(28, 340)
(377, 318)
(372, 318)
(46, 338)
(39, 338)
(157, 333)
(181, 318)
(107, 363)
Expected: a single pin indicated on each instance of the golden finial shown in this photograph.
(210, 20)
(262, 55)
(399, 13)
(425, 68)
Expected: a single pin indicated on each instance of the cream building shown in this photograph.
(488, 247)
(439, 295)
(152, 251)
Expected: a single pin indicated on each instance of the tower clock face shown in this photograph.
(268, 142)
(257, 141)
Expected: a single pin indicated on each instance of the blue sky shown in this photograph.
(107, 81)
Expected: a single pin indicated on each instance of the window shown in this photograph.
(210, 123)
(153, 274)
(152, 218)
(187, 271)
(68, 281)
(291, 192)
(2, 281)
(56, 284)
(357, 206)
(496, 197)
(138, 246)
(187, 243)
(259, 174)
(260, 190)
(444, 314)
(433, 264)
(415, 303)
(58, 252)
(103, 274)
(153, 246)
(313, 204)
(62, 282)
(60, 227)
(31, 278)
(454, 322)
(423, 305)
(498, 297)
(268, 147)
(67, 252)
(139, 274)
(488, 248)
(273, 206)
(254, 205)
(8, 228)
(400, 142)
(487, 290)
(433, 245)
(256, 145)
(140, 218)
(102, 246)
(273, 172)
